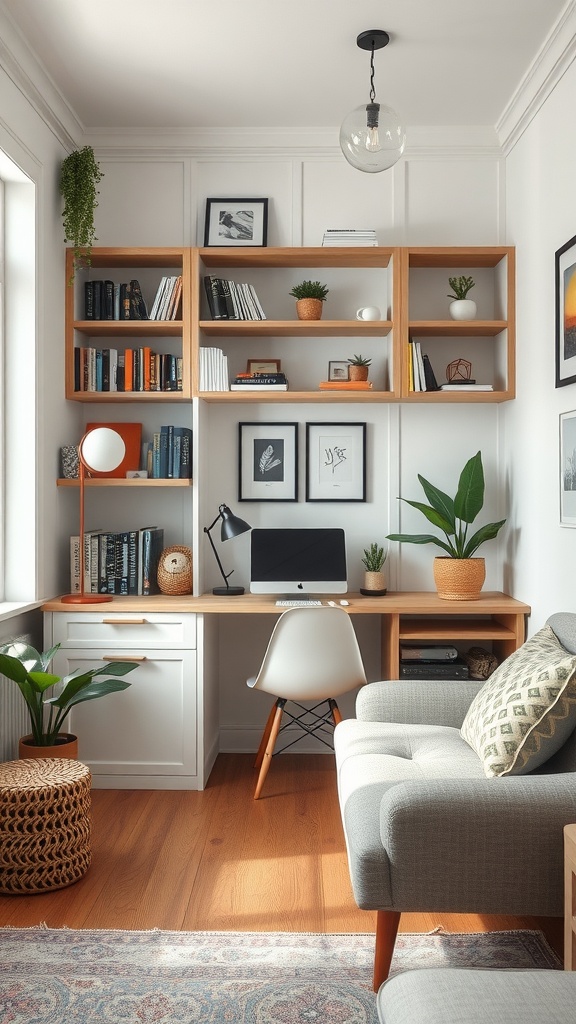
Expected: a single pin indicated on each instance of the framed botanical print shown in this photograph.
(236, 222)
(335, 462)
(268, 462)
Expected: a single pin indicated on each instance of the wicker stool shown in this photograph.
(44, 824)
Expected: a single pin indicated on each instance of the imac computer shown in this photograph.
(298, 563)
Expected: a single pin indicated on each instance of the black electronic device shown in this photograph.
(298, 561)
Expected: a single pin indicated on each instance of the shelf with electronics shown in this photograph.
(355, 276)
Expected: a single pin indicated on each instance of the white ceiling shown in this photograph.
(281, 63)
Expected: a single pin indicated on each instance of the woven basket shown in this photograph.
(44, 824)
(481, 663)
(459, 579)
(309, 309)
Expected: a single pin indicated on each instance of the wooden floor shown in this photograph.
(221, 861)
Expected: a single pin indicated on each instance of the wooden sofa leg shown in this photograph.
(387, 922)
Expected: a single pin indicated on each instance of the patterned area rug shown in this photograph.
(64, 976)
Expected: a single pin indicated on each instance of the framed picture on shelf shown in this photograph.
(268, 462)
(568, 468)
(338, 369)
(236, 222)
(263, 366)
(565, 277)
(335, 462)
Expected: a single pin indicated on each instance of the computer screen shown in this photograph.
(298, 562)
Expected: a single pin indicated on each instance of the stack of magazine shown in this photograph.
(259, 382)
(349, 236)
(213, 370)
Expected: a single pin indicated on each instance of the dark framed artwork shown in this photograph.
(338, 369)
(565, 267)
(236, 222)
(335, 462)
(268, 462)
(568, 468)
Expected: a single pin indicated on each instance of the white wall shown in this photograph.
(541, 217)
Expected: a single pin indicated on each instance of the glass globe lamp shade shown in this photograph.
(372, 138)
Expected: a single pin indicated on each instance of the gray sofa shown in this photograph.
(426, 830)
(453, 996)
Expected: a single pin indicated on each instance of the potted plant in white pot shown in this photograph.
(29, 670)
(374, 579)
(461, 308)
(309, 297)
(459, 576)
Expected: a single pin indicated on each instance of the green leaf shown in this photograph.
(434, 517)
(442, 502)
(487, 532)
(69, 698)
(470, 495)
(421, 538)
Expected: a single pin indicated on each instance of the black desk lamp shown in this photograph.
(232, 526)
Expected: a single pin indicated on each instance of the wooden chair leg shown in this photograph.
(275, 729)
(387, 922)
(336, 713)
(265, 737)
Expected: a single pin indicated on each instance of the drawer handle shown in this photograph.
(124, 622)
(123, 657)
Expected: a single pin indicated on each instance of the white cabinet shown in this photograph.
(149, 736)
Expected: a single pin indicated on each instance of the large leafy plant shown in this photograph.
(453, 516)
(29, 670)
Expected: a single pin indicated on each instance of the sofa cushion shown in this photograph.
(526, 710)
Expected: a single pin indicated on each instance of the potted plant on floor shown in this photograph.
(374, 580)
(309, 295)
(359, 368)
(29, 670)
(458, 575)
(79, 176)
(461, 308)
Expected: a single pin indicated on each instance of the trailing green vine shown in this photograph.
(79, 176)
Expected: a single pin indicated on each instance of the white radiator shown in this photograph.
(14, 720)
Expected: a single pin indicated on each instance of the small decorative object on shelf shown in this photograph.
(458, 576)
(309, 295)
(175, 570)
(374, 580)
(481, 663)
(368, 313)
(79, 176)
(461, 308)
(359, 367)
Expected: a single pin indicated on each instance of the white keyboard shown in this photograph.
(299, 604)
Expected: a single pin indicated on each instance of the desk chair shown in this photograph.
(312, 655)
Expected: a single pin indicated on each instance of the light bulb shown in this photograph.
(372, 138)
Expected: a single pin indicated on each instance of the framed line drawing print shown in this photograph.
(565, 278)
(268, 462)
(236, 222)
(568, 468)
(335, 462)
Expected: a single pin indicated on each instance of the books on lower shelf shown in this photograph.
(168, 298)
(213, 369)
(421, 374)
(232, 300)
(349, 236)
(118, 563)
(133, 369)
(168, 456)
(109, 300)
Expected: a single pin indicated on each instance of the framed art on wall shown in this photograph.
(568, 468)
(236, 222)
(565, 277)
(335, 462)
(268, 462)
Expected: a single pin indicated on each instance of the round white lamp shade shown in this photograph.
(102, 449)
(372, 149)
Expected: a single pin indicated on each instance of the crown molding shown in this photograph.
(542, 77)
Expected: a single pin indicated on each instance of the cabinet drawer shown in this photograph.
(117, 631)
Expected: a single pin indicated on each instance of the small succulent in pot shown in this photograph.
(359, 367)
(309, 295)
(461, 307)
(460, 287)
(373, 561)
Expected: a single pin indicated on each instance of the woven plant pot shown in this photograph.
(309, 309)
(68, 747)
(459, 579)
(374, 584)
(358, 373)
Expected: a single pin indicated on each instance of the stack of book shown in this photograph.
(107, 300)
(134, 369)
(259, 382)
(213, 370)
(431, 661)
(465, 385)
(422, 376)
(118, 563)
(230, 300)
(168, 456)
(349, 236)
(345, 385)
(167, 301)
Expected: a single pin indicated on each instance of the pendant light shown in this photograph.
(371, 137)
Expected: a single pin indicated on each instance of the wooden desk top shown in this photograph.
(393, 603)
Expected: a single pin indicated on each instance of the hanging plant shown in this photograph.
(79, 176)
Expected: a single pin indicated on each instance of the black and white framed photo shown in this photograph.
(338, 369)
(568, 468)
(335, 462)
(236, 222)
(268, 462)
(565, 276)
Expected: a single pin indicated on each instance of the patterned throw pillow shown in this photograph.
(526, 710)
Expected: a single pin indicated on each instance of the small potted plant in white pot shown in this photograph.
(309, 297)
(461, 308)
(29, 670)
(458, 575)
(374, 579)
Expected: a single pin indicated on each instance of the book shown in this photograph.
(152, 546)
(262, 386)
(108, 300)
(429, 375)
(75, 565)
(124, 302)
(185, 453)
(470, 385)
(435, 670)
(428, 652)
(88, 300)
(138, 309)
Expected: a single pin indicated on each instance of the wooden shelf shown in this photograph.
(295, 328)
(287, 397)
(124, 482)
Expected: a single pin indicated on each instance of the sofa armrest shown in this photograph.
(485, 846)
(417, 701)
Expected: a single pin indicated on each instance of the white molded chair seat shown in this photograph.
(312, 655)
